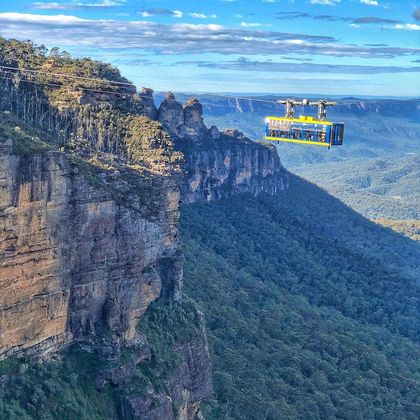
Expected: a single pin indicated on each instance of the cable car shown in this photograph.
(305, 129)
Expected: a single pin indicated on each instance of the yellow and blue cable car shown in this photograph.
(305, 129)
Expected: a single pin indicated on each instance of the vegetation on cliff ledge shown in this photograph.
(147, 141)
(26, 141)
(28, 56)
(83, 106)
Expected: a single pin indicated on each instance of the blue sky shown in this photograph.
(341, 47)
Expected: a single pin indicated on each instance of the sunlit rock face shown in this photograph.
(72, 257)
(171, 116)
(193, 120)
(76, 261)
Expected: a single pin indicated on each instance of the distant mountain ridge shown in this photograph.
(214, 105)
(378, 132)
(373, 127)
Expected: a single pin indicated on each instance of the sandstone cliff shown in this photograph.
(73, 256)
(218, 164)
(84, 251)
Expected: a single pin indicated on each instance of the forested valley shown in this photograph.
(310, 308)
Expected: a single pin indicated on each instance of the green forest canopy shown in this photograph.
(310, 308)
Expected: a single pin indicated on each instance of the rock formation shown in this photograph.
(188, 386)
(78, 260)
(146, 99)
(171, 116)
(73, 256)
(218, 164)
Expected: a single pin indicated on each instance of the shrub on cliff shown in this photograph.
(148, 143)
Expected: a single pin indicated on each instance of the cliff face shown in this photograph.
(218, 164)
(72, 256)
(79, 263)
(189, 384)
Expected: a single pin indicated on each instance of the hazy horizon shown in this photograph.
(284, 94)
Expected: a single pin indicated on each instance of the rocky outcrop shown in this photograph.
(228, 165)
(147, 407)
(191, 383)
(218, 165)
(72, 255)
(145, 98)
(171, 116)
(188, 385)
(182, 121)
(195, 128)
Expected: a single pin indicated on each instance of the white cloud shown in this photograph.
(182, 38)
(295, 41)
(244, 64)
(190, 28)
(162, 12)
(325, 2)
(29, 18)
(370, 2)
(47, 6)
(202, 16)
(76, 5)
(407, 26)
(250, 24)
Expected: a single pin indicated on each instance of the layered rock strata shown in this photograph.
(72, 255)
